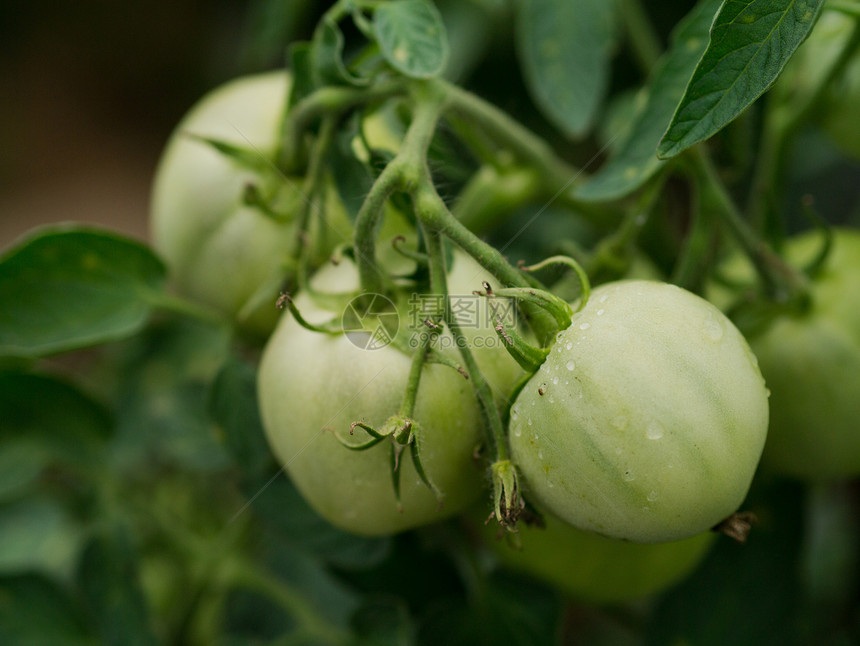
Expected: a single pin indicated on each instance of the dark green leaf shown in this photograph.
(352, 177)
(108, 579)
(412, 37)
(751, 41)
(564, 49)
(301, 68)
(248, 158)
(45, 420)
(280, 506)
(162, 401)
(233, 405)
(38, 535)
(35, 611)
(745, 595)
(68, 287)
(327, 57)
(636, 160)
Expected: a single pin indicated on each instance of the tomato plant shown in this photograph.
(356, 322)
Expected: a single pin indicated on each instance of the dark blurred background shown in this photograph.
(90, 90)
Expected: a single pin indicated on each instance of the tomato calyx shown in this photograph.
(737, 526)
(404, 434)
(508, 504)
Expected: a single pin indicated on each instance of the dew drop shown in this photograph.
(628, 476)
(620, 422)
(604, 298)
(713, 330)
(555, 380)
(549, 484)
(652, 496)
(540, 455)
(551, 399)
(517, 431)
(568, 345)
(654, 431)
(570, 365)
(529, 422)
(585, 326)
(600, 312)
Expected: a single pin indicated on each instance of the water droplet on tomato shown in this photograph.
(652, 496)
(585, 326)
(628, 476)
(600, 312)
(555, 380)
(570, 365)
(654, 431)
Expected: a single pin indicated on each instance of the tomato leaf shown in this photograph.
(300, 55)
(233, 406)
(38, 535)
(751, 41)
(67, 287)
(72, 429)
(564, 48)
(109, 581)
(164, 378)
(412, 37)
(35, 610)
(327, 57)
(636, 160)
(281, 507)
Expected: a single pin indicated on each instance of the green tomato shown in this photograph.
(220, 250)
(811, 362)
(313, 385)
(595, 568)
(647, 420)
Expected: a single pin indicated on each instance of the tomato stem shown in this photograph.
(439, 285)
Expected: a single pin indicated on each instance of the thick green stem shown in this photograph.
(325, 101)
(403, 173)
(407, 406)
(438, 218)
(439, 285)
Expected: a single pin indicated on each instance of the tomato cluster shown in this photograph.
(640, 431)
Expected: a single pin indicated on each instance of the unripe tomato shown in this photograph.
(312, 385)
(220, 250)
(595, 568)
(647, 420)
(811, 362)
